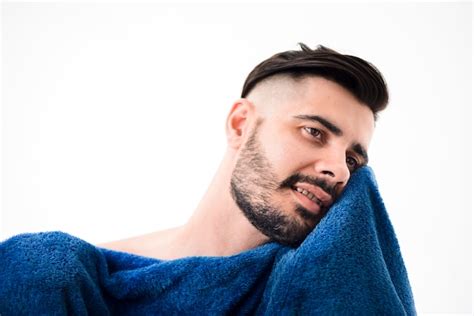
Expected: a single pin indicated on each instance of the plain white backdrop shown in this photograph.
(113, 117)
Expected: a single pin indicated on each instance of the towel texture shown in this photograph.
(350, 264)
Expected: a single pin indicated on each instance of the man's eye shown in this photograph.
(352, 163)
(314, 132)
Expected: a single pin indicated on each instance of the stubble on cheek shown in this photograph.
(256, 190)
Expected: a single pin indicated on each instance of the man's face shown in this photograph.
(298, 158)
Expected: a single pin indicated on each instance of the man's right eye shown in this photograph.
(313, 132)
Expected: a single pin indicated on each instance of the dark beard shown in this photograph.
(252, 185)
(271, 222)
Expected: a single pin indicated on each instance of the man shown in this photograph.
(303, 124)
(301, 128)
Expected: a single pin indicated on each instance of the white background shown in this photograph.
(113, 117)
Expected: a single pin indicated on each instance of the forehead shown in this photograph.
(284, 99)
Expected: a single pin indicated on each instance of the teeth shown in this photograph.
(309, 195)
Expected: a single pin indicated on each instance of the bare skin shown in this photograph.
(218, 227)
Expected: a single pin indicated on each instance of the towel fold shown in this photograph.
(349, 264)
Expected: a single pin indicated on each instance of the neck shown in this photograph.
(217, 227)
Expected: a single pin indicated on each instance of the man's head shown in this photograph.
(303, 125)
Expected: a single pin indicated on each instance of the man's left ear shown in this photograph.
(239, 122)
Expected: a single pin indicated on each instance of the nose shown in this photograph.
(332, 168)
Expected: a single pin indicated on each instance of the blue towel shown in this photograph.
(349, 264)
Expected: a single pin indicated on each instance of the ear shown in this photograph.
(239, 122)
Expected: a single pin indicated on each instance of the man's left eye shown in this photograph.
(352, 163)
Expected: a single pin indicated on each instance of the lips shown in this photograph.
(312, 197)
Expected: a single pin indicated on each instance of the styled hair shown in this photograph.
(358, 76)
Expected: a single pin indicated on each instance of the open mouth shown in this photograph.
(309, 195)
(308, 200)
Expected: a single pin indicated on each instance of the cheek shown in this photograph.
(286, 153)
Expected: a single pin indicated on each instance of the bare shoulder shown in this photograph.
(126, 244)
(149, 245)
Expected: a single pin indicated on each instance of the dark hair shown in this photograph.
(358, 76)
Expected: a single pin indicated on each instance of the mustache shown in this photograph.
(291, 181)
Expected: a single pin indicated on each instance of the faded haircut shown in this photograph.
(362, 79)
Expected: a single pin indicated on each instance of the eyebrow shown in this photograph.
(356, 147)
(316, 118)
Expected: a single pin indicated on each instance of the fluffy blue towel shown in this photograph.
(350, 264)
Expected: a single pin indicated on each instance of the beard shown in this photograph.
(252, 186)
